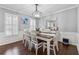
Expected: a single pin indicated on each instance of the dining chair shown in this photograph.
(27, 39)
(35, 42)
(52, 45)
(56, 37)
(23, 33)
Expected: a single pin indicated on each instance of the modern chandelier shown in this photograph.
(36, 13)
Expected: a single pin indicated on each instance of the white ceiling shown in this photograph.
(28, 9)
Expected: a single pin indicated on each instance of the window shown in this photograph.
(11, 24)
(32, 24)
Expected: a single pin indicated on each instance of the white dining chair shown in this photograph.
(23, 38)
(23, 33)
(52, 46)
(27, 39)
(35, 42)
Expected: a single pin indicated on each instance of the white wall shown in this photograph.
(78, 28)
(42, 23)
(67, 20)
(2, 18)
(1, 21)
(67, 23)
(78, 19)
(9, 39)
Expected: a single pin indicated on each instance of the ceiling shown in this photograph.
(28, 9)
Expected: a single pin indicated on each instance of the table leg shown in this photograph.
(57, 46)
(48, 47)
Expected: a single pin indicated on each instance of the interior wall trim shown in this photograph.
(65, 9)
(62, 10)
(19, 12)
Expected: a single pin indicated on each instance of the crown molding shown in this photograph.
(66, 9)
(62, 10)
(19, 12)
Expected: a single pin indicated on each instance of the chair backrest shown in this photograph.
(55, 39)
(26, 34)
(33, 37)
(57, 35)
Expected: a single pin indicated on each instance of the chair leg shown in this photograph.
(25, 43)
(36, 47)
(36, 51)
(30, 45)
(57, 47)
(54, 50)
(23, 38)
(43, 47)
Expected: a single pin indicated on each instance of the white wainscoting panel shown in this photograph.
(72, 36)
(4, 39)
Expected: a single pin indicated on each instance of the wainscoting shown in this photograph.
(4, 39)
(72, 36)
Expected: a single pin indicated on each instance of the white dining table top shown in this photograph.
(42, 38)
(47, 34)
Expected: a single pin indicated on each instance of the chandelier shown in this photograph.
(36, 13)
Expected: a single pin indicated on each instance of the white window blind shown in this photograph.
(11, 24)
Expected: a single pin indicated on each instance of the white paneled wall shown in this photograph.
(72, 36)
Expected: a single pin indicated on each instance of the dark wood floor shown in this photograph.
(18, 48)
